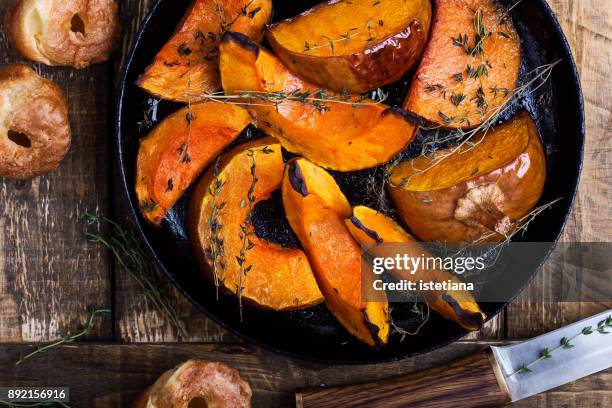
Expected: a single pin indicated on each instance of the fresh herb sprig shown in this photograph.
(128, 252)
(319, 99)
(540, 77)
(216, 249)
(149, 117)
(566, 343)
(329, 42)
(417, 310)
(69, 338)
(481, 34)
(183, 150)
(246, 230)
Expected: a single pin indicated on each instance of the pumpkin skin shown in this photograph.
(316, 210)
(280, 278)
(371, 228)
(437, 94)
(341, 137)
(473, 194)
(164, 170)
(187, 66)
(356, 45)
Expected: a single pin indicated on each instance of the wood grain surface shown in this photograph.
(49, 275)
(113, 375)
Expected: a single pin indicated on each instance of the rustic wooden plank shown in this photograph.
(48, 272)
(110, 376)
(588, 27)
(136, 320)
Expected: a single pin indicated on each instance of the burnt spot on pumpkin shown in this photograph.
(466, 317)
(372, 328)
(399, 112)
(296, 178)
(371, 233)
(242, 40)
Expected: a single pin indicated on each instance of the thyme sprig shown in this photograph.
(69, 338)
(481, 33)
(565, 343)
(308, 46)
(149, 117)
(507, 12)
(540, 77)
(319, 99)
(216, 249)
(128, 252)
(246, 230)
(521, 225)
(183, 150)
(416, 309)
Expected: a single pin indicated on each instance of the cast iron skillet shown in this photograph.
(314, 333)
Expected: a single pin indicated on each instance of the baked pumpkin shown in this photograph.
(372, 229)
(179, 149)
(470, 67)
(336, 135)
(261, 272)
(474, 192)
(316, 210)
(355, 45)
(188, 64)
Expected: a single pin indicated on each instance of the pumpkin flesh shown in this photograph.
(337, 136)
(470, 67)
(372, 229)
(176, 152)
(316, 210)
(358, 45)
(273, 277)
(500, 180)
(187, 66)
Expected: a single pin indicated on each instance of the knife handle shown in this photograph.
(474, 381)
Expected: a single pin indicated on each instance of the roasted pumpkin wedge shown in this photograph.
(372, 229)
(179, 149)
(473, 193)
(308, 121)
(355, 45)
(316, 210)
(188, 65)
(263, 273)
(470, 67)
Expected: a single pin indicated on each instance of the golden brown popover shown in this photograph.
(74, 33)
(34, 125)
(197, 383)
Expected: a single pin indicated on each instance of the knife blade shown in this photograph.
(490, 378)
(585, 354)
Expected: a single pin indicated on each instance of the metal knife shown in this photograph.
(492, 378)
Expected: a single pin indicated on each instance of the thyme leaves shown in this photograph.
(246, 227)
(565, 344)
(480, 34)
(69, 338)
(216, 249)
(131, 256)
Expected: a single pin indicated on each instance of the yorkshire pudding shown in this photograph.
(34, 126)
(74, 33)
(197, 383)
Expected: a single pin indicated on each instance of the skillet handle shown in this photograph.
(470, 382)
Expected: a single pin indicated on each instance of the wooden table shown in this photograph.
(49, 274)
